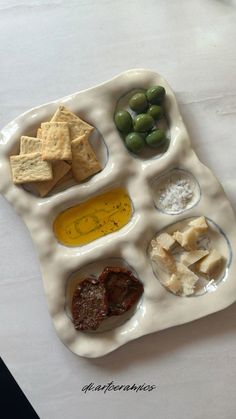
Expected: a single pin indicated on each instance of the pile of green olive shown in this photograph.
(141, 130)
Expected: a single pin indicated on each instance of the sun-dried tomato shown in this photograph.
(89, 304)
(122, 287)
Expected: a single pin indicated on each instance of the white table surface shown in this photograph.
(48, 49)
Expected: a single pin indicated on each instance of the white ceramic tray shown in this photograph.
(158, 308)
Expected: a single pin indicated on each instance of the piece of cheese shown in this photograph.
(211, 264)
(165, 240)
(187, 239)
(174, 284)
(189, 258)
(188, 279)
(162, 258)
(199, 224)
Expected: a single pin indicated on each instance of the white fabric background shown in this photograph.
(49, 49)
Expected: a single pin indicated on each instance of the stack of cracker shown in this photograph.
(60, 148)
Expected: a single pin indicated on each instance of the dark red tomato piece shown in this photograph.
(122, 287)
(89, 304)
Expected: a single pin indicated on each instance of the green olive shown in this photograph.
(156, 138)
(155, 95)
(123, 121)
(138, 102)
(134, 142)
(155, 111)
(143, 122)
(143, 134)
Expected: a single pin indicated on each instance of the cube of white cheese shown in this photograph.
(183, 277)
(174, 284)
(189, 258)
(162, 257)
(165, 240)
(199, 224)
(187, 239)
(188, 279)
(211, 264)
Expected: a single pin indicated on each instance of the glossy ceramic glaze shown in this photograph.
(158, 308)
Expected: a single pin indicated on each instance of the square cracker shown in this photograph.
(77, 126)
(30, 145)
(56, 144)
(30, 168)
(39, 133)
(59, 169)
(66, 178)
(84, 160)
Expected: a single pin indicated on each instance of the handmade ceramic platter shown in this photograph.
(143, 177)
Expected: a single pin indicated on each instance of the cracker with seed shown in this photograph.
(77, 126)
(65, 182)
(84, 160)
(30, 168)
(56, 143)
(30, 145)
(39, 133)
(59, 169)
(66, 178)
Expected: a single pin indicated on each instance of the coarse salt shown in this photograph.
(175, 194)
